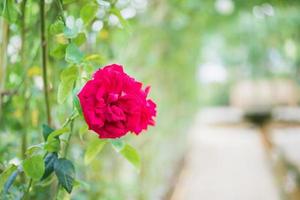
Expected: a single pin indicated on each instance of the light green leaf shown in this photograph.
(52, 145)
(77, 104)
(117, 144)
(68, 1)
(73, 54)
(88, 12)
(34, 149)
(64, 89)
(70, 33)
(57, 27)
(10, 10)
(93, 149)
(59, 51)
(123, 21)
(83, 130)
(80, 39)
(57, 133)
(69, 73)
(131, 155)
(6, 174)
(34, 167)
(68, 78)
(65, 172)
(95, 58)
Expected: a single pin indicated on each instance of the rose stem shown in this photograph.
(3, 58)
(44, 60)
(26, 103)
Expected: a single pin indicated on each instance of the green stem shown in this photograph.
(44, 59)
(61, 9)
(69, 139)
(26, 195)
(22, 52)
(3, 58)
(60, 6)
(26, 100)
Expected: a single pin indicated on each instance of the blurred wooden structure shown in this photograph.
(265, 105)
(261, 96)
(262, 93)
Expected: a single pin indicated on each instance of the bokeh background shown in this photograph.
(221, 62)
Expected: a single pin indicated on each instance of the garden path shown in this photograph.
(224, 162)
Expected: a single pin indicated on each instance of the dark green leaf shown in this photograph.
(73, 54)
(34, 166)
(6, 174)
(65, 172)
(10, 181)
(49, 161)
(46, 131)
(88, 12)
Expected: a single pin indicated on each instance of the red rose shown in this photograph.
(113, 103)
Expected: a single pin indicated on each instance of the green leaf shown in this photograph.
(64, 89)
(127, 151)
(57, 27)
(49, 161)
(57, 133)
(83, 130)
(131, 155)
(93, 149)
(34, 166)
(77, 104)
(11, 179)
(10, 11)
(68, 78)
(95, 58)
(52, 145)
(68, 1)
(69, 73)
(70, 33)
(34, 149)
(88, 12)
(46, 131)
(5, 175)
(80, 39)
(123, 21)
(117, 144)
(65, 172)
(59, 51)
(73, 54)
